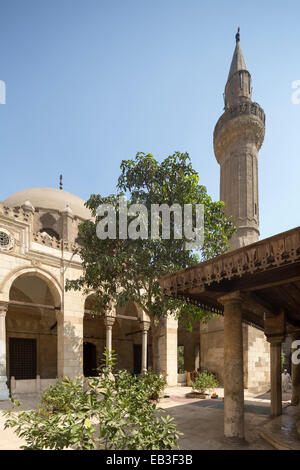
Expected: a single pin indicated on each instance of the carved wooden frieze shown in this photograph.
(267, 254)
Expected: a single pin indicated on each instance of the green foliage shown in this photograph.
(154, 382)
(282, 359)
(111, 412)
(180, 361)
(120, 270)
(204, 381)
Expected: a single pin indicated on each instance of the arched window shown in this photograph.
(241, 79)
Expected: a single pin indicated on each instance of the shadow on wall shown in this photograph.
(70, 347)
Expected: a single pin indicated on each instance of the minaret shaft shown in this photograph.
(239, 189)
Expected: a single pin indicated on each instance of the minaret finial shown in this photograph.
(60, 181)
(237, 36)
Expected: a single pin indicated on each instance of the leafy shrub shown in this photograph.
(155, 384)
(65, 396)
(111, 412)
(204, 381)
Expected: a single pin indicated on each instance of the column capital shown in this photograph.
(275, 339)
(275, 327)
(3, 308)
(109, 320)
(232, 298)
(145, 325)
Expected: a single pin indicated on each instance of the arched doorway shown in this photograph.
(93, 338)
(31, 330)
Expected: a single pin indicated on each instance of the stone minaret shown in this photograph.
(238, 136)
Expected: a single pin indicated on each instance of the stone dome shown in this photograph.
(49, 198)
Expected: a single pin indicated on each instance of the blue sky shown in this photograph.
(92, 82)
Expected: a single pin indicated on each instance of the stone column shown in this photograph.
(70, 336)
(168, 349)
(233, 366)
(145, 325)
(109, 321)
(295, 369)
(276, 391)
(275, 330)
(4, 391)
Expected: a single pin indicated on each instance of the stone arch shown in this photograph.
(142, 315)
(93, 337)
(45, 275)
(31, 327)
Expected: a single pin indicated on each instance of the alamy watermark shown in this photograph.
(2, 92)
(183, 221)
(296, 354)
(295, 98)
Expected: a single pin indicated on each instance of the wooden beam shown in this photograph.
(258, 304)
(265, 279)
(121, 317)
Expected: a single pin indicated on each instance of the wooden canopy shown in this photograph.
(266, 273)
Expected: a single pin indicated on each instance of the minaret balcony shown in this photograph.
(238, 110)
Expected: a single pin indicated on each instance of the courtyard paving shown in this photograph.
(200, 421)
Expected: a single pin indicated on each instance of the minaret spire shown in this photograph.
(238, 86)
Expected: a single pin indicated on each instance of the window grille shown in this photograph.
(22, 358)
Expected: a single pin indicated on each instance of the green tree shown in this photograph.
(124, 270)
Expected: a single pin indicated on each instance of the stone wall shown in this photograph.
(191, 342)
(212, 347)
(168, 350)
(256, 352)
(258, 361)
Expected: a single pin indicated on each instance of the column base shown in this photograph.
(238, 441)
(4, 391)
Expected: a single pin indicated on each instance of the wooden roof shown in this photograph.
(267, 273)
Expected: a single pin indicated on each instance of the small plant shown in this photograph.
(282, 359)
(155, 384)
(180, 358)
(109, 412)
(204, 382)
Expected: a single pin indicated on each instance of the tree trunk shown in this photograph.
(155, 328)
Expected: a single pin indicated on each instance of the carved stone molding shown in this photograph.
(53, 242)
